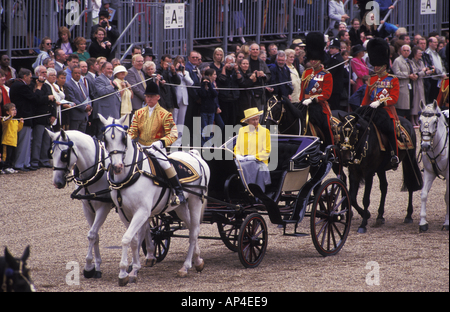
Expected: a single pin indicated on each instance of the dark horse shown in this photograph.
(361, 152)
(298, 119)
(14, 273)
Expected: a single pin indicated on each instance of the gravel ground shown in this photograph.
(33, 212)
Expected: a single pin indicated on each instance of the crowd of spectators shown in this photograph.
(72, 83)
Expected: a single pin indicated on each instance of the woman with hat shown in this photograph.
(154, 127)
(317, 85)
(383, 90)
(359, 67)
(126, 93)
(252, 149)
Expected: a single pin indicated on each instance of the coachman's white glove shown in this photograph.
(158, 145)
(240, 158)
(307, 102)
(375, 104)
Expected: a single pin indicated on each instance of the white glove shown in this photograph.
(158, 145)
(251, 157)
(375, 104)
(307, 102)
(240, 158)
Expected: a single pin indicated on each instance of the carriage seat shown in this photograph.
(286, 176)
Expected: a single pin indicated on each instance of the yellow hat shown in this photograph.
(250, 113)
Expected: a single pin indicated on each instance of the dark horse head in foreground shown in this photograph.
(14, 273)
(361, 152)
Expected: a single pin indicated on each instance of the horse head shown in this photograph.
(348, 130)
(429, 122)
(64, 157)
(281, 112)
(16, 274)
(116, 141)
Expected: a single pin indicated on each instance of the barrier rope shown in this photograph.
(193, 87)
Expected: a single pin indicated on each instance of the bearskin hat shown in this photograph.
(315, 45)
(378, 50)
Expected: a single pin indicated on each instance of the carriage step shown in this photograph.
(296, 234)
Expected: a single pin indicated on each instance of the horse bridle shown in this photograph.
(8, 274)
(113, 135)
(269, 115)
(65, 154)
(347, 130)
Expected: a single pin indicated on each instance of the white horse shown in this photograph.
(139, 197)
(73, 147)
(435, 141)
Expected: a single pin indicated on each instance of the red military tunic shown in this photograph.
(379, 88)
(316, 82)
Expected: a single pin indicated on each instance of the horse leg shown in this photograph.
(366, 203)
(446, 223)
(196, 216)
(353, 193)
(383, 190)
(145, 234)
(427, 183)
(409, 209)
(136, 265)
(139, 218)
(89, 267)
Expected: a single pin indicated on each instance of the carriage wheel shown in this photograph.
(330, 217)
(252, 240)
(160, 230)
(229, 232)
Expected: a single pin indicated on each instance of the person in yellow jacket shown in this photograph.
(155, 129)
(10, 129)
(252, 149)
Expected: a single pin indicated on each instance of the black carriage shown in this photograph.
(297, 190)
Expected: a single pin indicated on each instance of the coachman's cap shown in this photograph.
(152, 88)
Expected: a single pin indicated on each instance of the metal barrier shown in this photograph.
(208, 23)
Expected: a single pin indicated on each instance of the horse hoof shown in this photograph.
(123, 281)
(149, 263)
(200, 267)
(423, 228)
(362, 230)
(445, 228)
(133, 279)
(98, 274)
(380, 222)
(182, 273)
(408, 220)
(89, 274)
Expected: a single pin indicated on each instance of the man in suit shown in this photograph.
(25, 98)
(136, 78)
(60, 59)
(337, 73)
(77, 93)
(108, 99)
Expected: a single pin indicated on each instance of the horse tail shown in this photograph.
(412, 176)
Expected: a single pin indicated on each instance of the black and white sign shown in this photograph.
(173, 15)
(427, 7)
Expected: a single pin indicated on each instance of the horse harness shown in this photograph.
(8, 278)
(90, 180)
(431, 135)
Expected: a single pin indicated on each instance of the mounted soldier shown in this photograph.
(383, 91)
(317, 85)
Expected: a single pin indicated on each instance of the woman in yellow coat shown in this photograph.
(252, 149)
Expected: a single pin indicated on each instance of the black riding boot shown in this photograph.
(394, 157)
(176, 185)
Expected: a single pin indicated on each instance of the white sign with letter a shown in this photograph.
(427, 7)
(173, 15)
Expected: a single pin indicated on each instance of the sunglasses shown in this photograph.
(49, 43)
